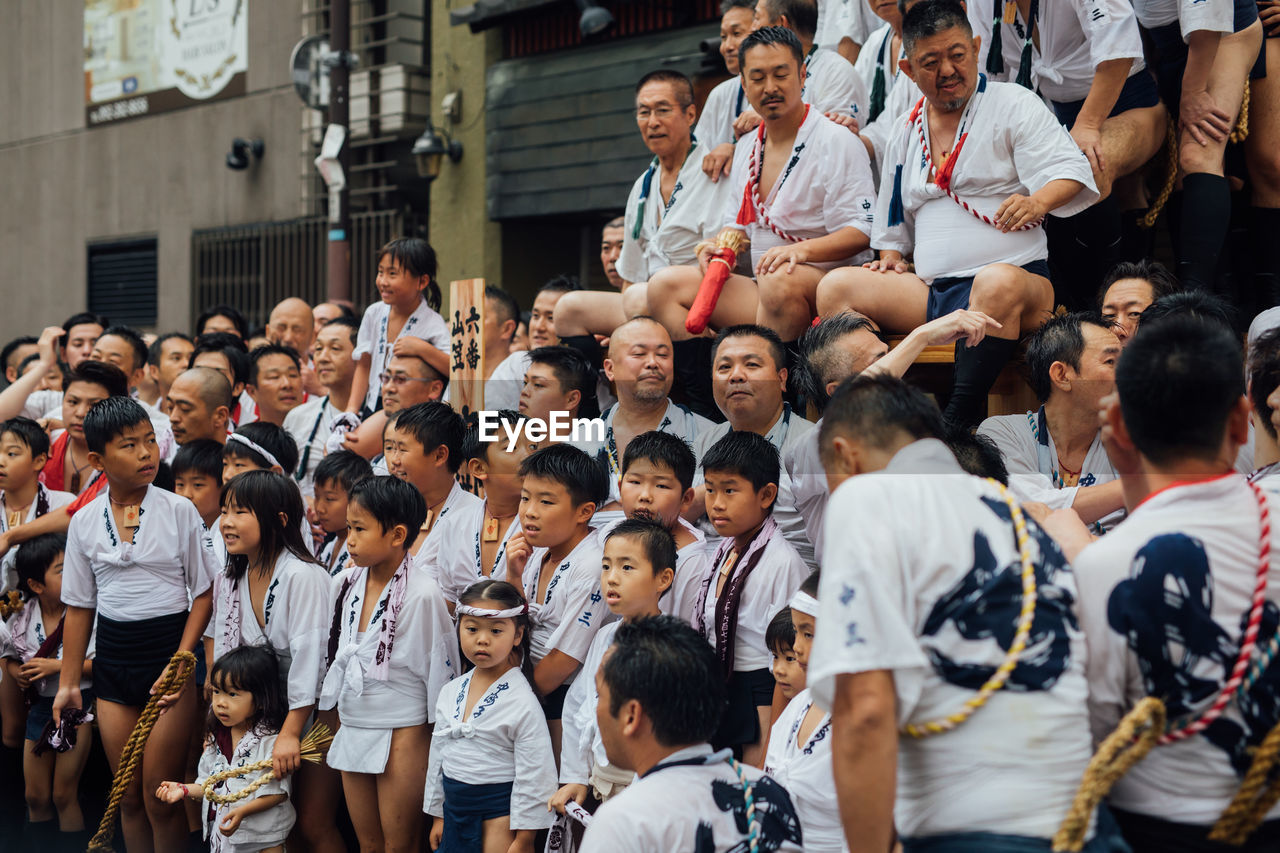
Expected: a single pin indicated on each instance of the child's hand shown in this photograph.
(408, 345)
(67, 697)
(231, 822)
(170, 792)
(437, 832)
(572, 791)
(286, 756)
(518, 551)
(38, 668)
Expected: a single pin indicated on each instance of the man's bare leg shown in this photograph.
(1129, 140)
(673, 290)
(588, 312)
(788, 300)
(896, 302)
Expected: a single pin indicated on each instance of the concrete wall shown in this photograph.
(66, 186)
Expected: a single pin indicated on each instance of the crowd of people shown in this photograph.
(787, 600)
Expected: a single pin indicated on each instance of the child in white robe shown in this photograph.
(274, 593)
(392, 647)
(24, 498)
(492, 768)
(334, 477)
(245, 713)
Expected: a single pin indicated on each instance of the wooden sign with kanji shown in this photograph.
(466, 355)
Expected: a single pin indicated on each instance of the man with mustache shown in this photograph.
(803, 195)
(640, 366)
(967, 180)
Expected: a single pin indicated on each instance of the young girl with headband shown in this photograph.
(245, 714)
(274, 593)
(799, 755)
(490, 732)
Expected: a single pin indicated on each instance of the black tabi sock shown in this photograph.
(977, 369)
(1082, 249)
(693, 377)
(1136, 242)
(1266, 256)
(588, 346)
(1206, 217)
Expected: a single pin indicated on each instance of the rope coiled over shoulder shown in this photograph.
(314, 745)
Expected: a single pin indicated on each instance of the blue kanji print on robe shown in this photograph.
(985, 603)
(1165, 612)
(776, 816)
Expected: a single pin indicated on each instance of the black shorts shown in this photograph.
(131, 655)
(553, 702)
(40, 714)
(1169, 54)
(740, 724)
(1139, 92)
(1147, 834)
(951, 293)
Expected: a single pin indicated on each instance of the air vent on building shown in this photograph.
(122, 281)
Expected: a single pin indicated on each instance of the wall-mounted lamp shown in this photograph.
(594, 20)
(243, 152)
(430, 149)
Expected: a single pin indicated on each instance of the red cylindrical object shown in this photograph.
(719, 268)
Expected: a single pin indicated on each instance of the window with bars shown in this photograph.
(123, 281)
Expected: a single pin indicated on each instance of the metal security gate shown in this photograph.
(253, 267)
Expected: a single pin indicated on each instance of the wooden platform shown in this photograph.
(933, 368)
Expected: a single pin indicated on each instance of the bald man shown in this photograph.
(200, 405)
(292, 324)
(640, 364)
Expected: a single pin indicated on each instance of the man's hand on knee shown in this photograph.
(783, 259)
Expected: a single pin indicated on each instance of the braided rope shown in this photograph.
(1025, 618)
(314, 745)
(748, 795)
(1255, 798)
(917, 119)
(1123, 748)
(753, 182)
(176, 673)
(1238, 134)
(1250, 639)
(10, 603)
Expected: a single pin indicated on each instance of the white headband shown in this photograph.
(484, 613)
(805, 603)
(253, 445)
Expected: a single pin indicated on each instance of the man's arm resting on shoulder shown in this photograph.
(864, 743)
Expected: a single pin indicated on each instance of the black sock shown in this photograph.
(1082, 249)
(1206, 216)
(588, 346)
(693, 377)
(977, 369)
(1266, 256)
(1136, 242)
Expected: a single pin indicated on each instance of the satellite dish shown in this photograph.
(310, 73)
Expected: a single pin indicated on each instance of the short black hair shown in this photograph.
(563, 283)
(655, 541)
(802, 15)
(433, 424)
(346, 321)
(571, 369)
(153, 351)
(254, 670)
(1162, 281)
(101, 373)
(474, 448)
(583, 476)
(821, 360)
(108, 418)
(29, 433)
(237, 319)
(270, 438)
(84, 318)
(671, 671)
(781, 633)
(266, 350)
(1264, 375)
(1192, 303)
(417, 258)
(233, 348)
(769, 37)
(202, 456)
(727, 5)
(34, 358)
(508, 308)
(665, 450)
(1178, 380)
(876, 410)
(344, 467)
(34, 558)
(777, 351)
(391, 501)
(977, 454)
(744, 454)
(927, 19)
(678, 81)
(133, 339)
(12, 347)
(1060, 339)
